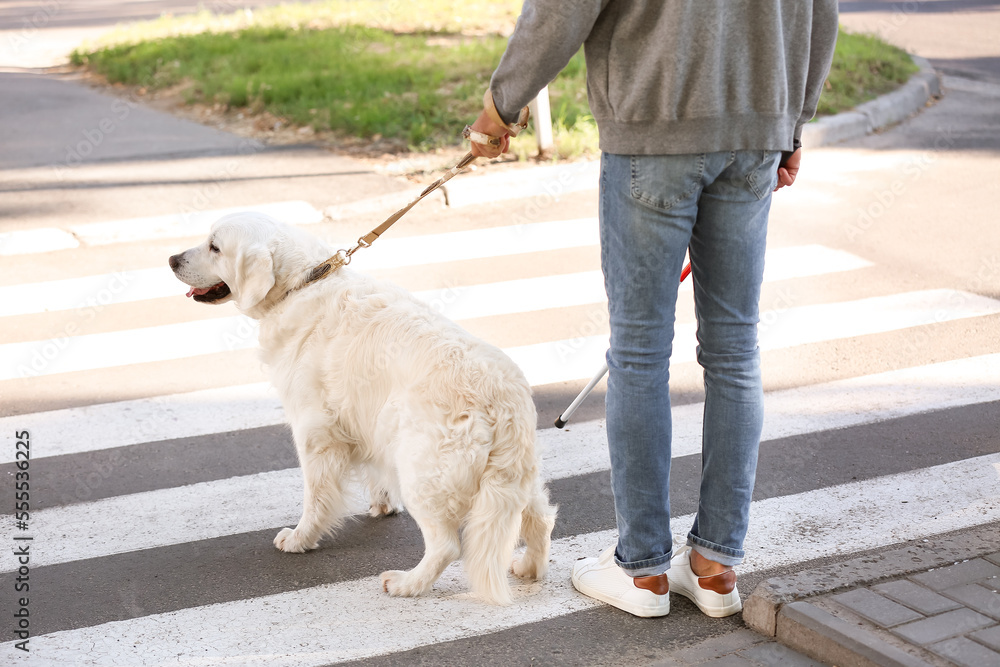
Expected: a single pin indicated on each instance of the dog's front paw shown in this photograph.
(288, 541)
(399, 584)
(526, 568)
(381, 508)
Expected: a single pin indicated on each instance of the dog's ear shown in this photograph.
(254, 276)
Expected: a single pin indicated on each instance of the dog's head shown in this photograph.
(244, 258)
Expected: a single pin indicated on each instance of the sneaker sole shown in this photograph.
(635, 610)
(712, 612)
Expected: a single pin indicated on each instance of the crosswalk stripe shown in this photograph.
(189, 223)
(158, 282)
(31, 241)
(207, 509)
(397, 252)
(69, 354)
(108, 425)
(543, 363)
(132, 285)
(782, 327)
(306, 627)
(838, 404)
(577, 289)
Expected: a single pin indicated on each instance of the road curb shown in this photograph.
(780, 607)
(877, 114)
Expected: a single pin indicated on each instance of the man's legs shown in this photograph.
(648, 209)
(727, 256)
(652, 208)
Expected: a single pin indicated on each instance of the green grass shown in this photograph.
(356, 80)
(405, 70)
(863, 68)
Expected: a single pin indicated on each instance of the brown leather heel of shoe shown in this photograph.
(722, 583)
(658, 583)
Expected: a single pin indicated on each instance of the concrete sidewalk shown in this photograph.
(932, 603)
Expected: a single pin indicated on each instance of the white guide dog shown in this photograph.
(373, 380)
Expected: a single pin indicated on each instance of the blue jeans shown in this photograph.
(652, 209)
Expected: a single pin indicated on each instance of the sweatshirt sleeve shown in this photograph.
(548, 33)
(821, 43)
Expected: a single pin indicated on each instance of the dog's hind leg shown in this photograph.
(537, 521)
(324, 503)
(441, 548)
(423, 481)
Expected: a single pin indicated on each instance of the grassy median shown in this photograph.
(411, 70)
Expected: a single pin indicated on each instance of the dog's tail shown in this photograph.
(511, 501)
(490, 533)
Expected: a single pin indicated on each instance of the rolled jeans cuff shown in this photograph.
(715, 552)
(645, 568)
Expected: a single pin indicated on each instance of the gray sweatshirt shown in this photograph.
(678, 76)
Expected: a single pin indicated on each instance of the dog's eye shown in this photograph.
(213, 248)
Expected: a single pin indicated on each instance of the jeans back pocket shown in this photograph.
(763, 177)
(663, 181)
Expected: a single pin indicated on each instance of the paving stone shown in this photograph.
(993, 558)
(968, 572)
(773, 654)
(943, 626)
(989, 636)
(984, 600)
(917, 597)
(876, 608)
(966, 653)
(815, 631)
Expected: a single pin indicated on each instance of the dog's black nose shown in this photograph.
(174, 261)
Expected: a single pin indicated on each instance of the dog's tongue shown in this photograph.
(202, 290)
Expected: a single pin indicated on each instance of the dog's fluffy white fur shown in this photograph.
(373, 380)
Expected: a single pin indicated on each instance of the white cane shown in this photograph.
(565, 416)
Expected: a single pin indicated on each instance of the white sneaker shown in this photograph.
(716, 595)
(602, 579)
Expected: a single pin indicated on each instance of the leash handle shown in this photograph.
(343, 256)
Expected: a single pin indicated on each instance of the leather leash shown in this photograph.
(343, 256)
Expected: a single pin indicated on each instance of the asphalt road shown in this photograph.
(161, 472)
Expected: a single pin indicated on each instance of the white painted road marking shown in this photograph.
(306, 627)
(859, 400)
(543, 363)
(188, 223)
(581, 357)
(207, 509)
(523, 295)
(31, 241)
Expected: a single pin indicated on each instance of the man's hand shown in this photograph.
(486, 125)
(789, 169)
